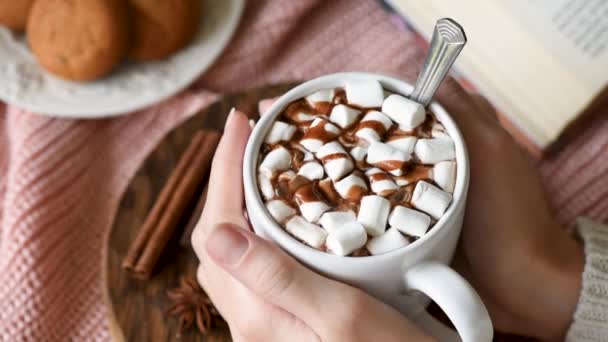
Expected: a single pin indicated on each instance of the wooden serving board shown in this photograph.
(136, 309)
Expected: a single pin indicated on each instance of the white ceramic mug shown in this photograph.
(404, 278)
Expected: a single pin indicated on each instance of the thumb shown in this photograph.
(271, 274)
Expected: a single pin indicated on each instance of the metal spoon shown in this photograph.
(447, 42)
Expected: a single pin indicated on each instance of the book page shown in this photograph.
(574, 31)
(526, 55)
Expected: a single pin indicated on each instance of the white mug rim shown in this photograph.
(314, 256)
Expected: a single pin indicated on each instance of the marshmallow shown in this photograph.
(346, 239)
(280, 211)
(280, 131)
(404, 143)
(375, 115)
(294, 184)
(370, 132)
(387, 158)
(302, 117)
(407, 113)
(351, 187)
(312, 211)
(308, 156)
(402, 181)
(326, 186)
(409, 221)
(312, 145)
(329, 149)
(432, 151)
(310, 203)
(339, 165)
(380, 182)
(299, 113)
(334, 220)
(358, 153)
(328, 126)
(265, 185)
(373, 171)
(323, 95)
(311, 170)
(276, 160)
(418, 172)
(373, 214)
(444, 174)
(337, 168)
(387, 242)
(347, 141)
(343, 115)
(309, 233)
(430, 199)
(438, 131)
(368, 94)
(287, 176)
(319, 132)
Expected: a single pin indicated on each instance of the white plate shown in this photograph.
(132, 86)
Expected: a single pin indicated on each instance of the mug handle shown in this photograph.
(456, 297)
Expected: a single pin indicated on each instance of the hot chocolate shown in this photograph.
(357, 170)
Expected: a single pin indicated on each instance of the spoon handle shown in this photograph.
(447, 42)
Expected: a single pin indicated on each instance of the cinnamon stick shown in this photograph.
(159, 206)
(162, 220)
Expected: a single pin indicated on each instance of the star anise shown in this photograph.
(192, 305)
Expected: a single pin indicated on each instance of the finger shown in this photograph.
(484, 106)
(243, 311)
(237, 304)
(271, 331)
(225, 182)
(272, 275)
(225, 188)
(265, 104)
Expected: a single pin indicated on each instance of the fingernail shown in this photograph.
(226, 244)
(230, 117)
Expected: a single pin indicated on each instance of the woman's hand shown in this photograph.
(263, 293)
(525, 267)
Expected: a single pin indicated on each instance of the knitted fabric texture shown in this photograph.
(591, 315)
(61, 180)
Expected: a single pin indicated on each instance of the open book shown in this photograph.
(541, 62)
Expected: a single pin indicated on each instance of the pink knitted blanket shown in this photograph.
(61, 180)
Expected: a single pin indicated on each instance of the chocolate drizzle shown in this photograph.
(334, 156)
(296, 190)
(375, 125)
(297, 159)
(340, 97)
(309, 193)
(391, 165)
(320, 132)
(293, 113)
(326, 187)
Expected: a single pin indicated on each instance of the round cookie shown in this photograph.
(163, 27)
(14, 13)
(79, 40)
